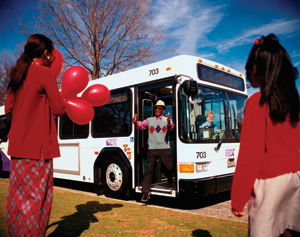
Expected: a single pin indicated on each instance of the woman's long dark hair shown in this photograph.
(277, 77)
(35, 46)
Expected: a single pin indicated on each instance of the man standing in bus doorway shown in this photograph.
(159, 145)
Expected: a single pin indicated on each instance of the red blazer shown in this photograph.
(266, 150)
(33, 130)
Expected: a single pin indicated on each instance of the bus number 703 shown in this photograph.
(152, 72)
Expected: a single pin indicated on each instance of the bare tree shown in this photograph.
(104, 36)
(4, 79)
(8, 59)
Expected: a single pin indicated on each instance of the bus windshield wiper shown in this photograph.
(220, 143)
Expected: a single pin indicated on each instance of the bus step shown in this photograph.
(159, 191)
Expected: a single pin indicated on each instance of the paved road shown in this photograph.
(221, 210)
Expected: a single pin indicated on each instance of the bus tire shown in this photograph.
(115, 178)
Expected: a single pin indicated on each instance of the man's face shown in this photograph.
(158, 111)
(210, 118)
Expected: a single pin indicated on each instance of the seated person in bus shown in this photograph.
(159, 145)
(210, 118)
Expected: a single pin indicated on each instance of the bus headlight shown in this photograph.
(202, 167)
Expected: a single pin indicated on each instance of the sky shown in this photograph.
(219, 30)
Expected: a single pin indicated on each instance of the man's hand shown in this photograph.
(237, 213)
(134, 119)
(168, 119)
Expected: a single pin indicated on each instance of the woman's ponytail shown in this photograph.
(18, 73)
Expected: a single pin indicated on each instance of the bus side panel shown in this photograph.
(6, 164)
(69, 162)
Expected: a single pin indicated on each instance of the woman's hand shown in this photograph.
(237, 213)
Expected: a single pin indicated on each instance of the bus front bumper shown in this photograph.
(206, 186)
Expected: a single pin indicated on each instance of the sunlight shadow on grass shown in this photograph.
(200, 233)
(75, 224)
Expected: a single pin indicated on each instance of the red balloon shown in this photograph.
(97, 95)
(74, 80)
(60, 92)
(79, 111)
(57, 65)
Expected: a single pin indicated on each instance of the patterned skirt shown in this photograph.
(274, 205)
(29, 199)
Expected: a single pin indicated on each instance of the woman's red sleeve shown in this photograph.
(250, 157)
(55, 100)
(9, 102)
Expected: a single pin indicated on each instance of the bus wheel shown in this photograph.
(115, 178)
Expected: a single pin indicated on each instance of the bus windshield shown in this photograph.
(211, 115)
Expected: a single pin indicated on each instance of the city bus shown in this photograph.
(111, 153)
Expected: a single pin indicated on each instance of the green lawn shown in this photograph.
(79, 214)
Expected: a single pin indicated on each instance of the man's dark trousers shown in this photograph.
(153, 155)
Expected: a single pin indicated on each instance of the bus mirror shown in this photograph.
(192, 99)
(190, 87)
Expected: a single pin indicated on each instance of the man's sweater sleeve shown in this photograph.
(142, 125)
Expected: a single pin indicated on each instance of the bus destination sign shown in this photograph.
(218, 77)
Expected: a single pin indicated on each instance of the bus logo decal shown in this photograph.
(111, 142)
(131, 139)
(229, 152)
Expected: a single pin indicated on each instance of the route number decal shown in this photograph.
(201, 155)
(153, 72)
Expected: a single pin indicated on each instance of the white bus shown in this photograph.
(111, 153)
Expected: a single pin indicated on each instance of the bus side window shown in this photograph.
(71, 130)
(113, 119)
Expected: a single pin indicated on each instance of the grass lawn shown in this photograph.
(79, 214)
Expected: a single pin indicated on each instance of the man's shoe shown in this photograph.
(145, 197)
(171, 185)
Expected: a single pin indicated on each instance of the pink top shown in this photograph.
(266, 150)
(143, 125)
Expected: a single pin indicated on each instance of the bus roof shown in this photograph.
(183, 64)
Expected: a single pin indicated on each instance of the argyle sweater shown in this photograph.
(158, 137)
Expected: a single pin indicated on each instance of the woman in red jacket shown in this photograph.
(268, 166)
(34, 99)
